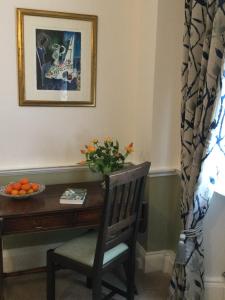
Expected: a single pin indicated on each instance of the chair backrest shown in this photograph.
(122, 207)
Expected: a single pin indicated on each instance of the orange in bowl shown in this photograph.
(35, 186)
(24, 180)
(14, 192)
(22, 193)
(8, 189)
(16, 186)
(25, 186)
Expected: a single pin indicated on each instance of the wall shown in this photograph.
(157, 112)
(163, 194)
(146, 15)
(52, 136)
(163, 229)
(137, 100)
(133, 84)
(157, 109)
(167, 96)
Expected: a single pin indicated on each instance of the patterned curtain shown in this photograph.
(202, 137)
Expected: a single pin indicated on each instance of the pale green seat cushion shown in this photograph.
(82, 249)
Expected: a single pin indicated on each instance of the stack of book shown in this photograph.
(73, 196)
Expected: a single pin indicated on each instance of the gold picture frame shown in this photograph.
(57, 57)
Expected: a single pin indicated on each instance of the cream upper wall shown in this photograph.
(52, 136)
(137, 98)
(146, 46)
(167, 96)
(158, 95)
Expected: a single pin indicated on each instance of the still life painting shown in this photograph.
(56, 58)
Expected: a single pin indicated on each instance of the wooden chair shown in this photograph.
(94, 253)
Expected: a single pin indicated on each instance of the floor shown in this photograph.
(71, 286)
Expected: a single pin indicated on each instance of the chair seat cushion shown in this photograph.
(82, 249)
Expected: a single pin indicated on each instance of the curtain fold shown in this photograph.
(201, 122)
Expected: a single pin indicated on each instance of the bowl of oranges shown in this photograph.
(21, 189)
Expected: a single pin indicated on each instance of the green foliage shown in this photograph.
(105, 157)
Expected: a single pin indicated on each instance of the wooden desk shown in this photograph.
(44, 212)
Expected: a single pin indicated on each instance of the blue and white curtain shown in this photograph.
(202, 137)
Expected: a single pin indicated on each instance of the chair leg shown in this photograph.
(97, 288)
(131, 277)
(50, 276)
(126, 270)
(89, 282)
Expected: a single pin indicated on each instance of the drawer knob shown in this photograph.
(38, 227)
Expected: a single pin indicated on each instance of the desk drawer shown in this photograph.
(38, 223)
(88, 217)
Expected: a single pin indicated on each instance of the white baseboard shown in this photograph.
(214, 288)
(169, 258)
(155, 260)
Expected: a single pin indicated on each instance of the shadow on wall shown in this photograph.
(163, 194)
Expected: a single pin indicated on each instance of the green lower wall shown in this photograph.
(162, 193)
(164, 224)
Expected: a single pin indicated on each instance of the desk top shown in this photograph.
(48, 201)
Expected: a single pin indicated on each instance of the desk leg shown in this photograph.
(1, 262)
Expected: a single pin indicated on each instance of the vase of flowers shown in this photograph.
(105, 156)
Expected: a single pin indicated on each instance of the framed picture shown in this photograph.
(56, 58)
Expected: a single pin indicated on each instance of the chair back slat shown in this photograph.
(124, 202)
(118, 197)
(130, 197)
(136, 195)
(123, 199)
(121, 204)
(113, 207)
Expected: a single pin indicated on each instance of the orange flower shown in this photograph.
(129, 149)
(91, 148)
(83, 151)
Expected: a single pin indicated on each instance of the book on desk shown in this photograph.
(73, 196)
